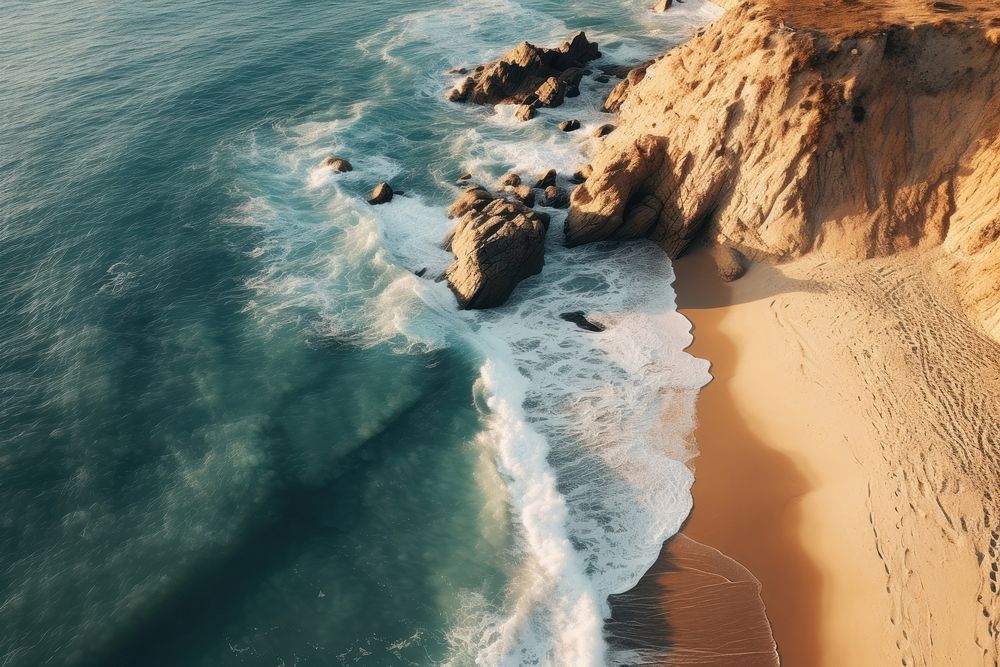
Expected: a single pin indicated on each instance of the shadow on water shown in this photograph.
(211, 595)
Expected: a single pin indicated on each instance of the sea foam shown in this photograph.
(589, 432)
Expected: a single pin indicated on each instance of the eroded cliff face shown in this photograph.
(779, 131)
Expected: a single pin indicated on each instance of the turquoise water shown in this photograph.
(235, 428)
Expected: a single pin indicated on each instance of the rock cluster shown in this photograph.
(497, 243)
(529, 76)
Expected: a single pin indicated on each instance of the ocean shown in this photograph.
(236, 428)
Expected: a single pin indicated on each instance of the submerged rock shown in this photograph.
(617, 71)
(497, 243)
(579, 318)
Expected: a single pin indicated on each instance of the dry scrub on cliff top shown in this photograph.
(851, 129)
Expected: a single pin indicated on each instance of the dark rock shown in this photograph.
(547, 179)
(510, 180)
(465, 177)
(555, 197)
(579, 318)
(572, 78)
(461, 92)
(458, 70)
(495, 247)
(569, 125)
(617, 71)
(525, 71)
(604, 79)
(525, 195)
(582, 174)
(604, 130)
(337, 164)
(382, 194)
(420, 272)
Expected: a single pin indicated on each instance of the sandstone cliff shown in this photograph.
(835, 127)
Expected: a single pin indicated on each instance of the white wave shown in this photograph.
(589, 431)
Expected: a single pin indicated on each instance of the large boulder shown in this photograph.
(529, 75)
(497, 243)
(382, 194)
(337, 164)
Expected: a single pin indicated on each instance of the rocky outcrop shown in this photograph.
(529, 76)
(497, 243)
(337, 164)
(785, 129)
(382, 194)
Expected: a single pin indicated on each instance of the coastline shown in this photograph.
(820, 475)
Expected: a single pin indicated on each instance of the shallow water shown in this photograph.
(235, 428)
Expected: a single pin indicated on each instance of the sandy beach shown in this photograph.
(848, 458)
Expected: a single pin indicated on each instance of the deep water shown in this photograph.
(235, 428)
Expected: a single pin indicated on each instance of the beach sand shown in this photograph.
(849, 459)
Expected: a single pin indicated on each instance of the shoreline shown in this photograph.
(815, 465)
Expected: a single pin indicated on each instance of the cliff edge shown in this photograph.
(845, 128)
